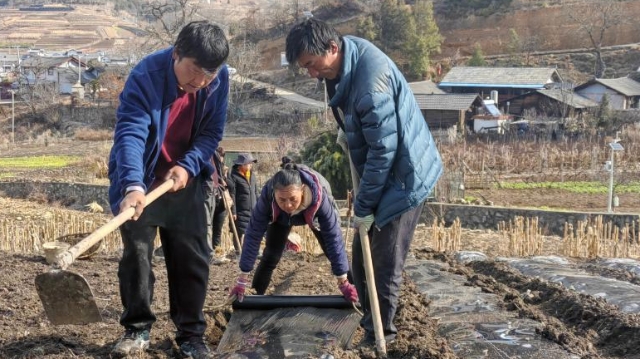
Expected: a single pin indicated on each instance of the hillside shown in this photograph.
(551, 26)
(551, 36)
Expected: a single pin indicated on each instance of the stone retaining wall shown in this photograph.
(488, 217)
(78, 195)
(74, 195)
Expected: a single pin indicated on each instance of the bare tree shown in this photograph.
(243, 58)
(170, 17)
(37, 92)
(596, 19)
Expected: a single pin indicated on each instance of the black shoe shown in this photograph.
(133, 341)
(195, 349)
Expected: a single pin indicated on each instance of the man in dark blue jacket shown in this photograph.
(170, 120)
(393, 154)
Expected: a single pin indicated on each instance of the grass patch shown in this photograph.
(575, 187)
(38, 162)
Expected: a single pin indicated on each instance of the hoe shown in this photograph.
(66, 296)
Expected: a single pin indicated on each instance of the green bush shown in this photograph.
(325, 156)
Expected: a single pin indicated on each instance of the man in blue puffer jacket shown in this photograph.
(391, 150)
(170, 120)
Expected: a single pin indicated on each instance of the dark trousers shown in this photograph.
(389, 249)
(180, 218)
(276, 239)
(218, 217)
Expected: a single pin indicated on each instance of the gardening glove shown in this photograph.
(341, 140)
(366, 221)
(239, 288)
(293, 247)
(349, 291)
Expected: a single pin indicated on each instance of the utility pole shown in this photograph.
(13, 116)
(615, 146)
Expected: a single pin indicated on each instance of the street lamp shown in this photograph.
(13, 116)
(615, 146)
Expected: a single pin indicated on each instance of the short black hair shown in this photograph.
(311, 36)
(204, 42)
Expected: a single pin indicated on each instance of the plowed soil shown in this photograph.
(583, 325)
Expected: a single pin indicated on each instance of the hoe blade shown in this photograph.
(67, 298)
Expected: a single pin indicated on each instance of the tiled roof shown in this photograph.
(447, 101)
(518, 77)
(624, 85)
(570, 98)
(424, 88)
(44, 62)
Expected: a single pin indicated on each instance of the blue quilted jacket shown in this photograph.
(390, 144)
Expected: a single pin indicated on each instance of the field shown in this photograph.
(88, 28)
(28, 334)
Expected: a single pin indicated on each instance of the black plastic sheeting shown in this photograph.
(268, 302)
(290, 332)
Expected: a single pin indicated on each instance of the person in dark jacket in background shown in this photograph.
(243, 187)
(169, 122)
(394, 158)
(294, 196)
(217, 208)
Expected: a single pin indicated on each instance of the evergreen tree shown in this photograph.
(426, 39)
(514, 47)
(419, 58)
(326, 157)
(477, 59)
(604, 114)
(394, 22)
(367, 29)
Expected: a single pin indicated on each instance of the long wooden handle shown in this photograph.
(236, 240)
(381, 344)
(66, 258)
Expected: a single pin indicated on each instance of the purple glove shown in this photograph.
(238, 290)
(349, 292)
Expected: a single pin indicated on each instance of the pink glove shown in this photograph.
(238, 290)
(293, 247)
(349, 292)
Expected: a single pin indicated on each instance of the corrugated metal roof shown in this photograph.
(447, 101)
(570, 98)
(527, 77)
(424, 88)
(624, 85)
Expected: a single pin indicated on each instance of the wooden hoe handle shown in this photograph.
(66, 258)
(381, 344)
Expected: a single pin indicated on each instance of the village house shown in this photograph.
(62, 72)
(443, 111)
(623, 93)
(549, 103)
(507, 81)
